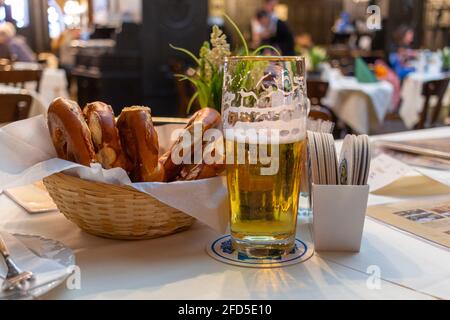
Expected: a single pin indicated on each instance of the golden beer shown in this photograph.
(264, 111)
(264, 208)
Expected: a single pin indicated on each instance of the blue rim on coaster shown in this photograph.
(222, 250)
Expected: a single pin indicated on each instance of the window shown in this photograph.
(55, 19)
(18, 12)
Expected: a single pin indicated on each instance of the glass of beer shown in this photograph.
(264, 106)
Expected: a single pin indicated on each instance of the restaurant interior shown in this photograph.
(118, 51)
(369, 78)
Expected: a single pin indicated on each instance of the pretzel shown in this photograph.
(102, 123)
(209, 118)
(140, 143)
(70, 133)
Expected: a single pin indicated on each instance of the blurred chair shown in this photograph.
(320, 113)
(21, 77)
(317, 90)
(14, 107)
(436, 88)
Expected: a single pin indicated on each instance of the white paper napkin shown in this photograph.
(44, 270)
(28, 156)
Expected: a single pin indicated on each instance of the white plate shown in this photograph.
(33, 198)
(48, 249)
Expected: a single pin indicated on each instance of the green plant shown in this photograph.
(446, 58)
(208, 75)
(317, 55)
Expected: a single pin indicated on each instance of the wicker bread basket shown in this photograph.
(117, 212)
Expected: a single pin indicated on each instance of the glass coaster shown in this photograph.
(222, 250)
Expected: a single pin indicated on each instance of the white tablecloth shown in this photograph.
(53, 85)
(177, 267)
(412, 99)
(362, 106)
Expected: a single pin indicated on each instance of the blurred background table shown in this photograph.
(362, 106)
(413, 99)
(43, 85)
(53, 82)
(177, 267)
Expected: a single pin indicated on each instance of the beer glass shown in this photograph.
(264, 106)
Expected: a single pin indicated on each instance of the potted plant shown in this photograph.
(207, 76)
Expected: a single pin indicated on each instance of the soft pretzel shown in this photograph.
(102, 124)
(209, 118)
(140, 143)
(200, 171)
(70, 133)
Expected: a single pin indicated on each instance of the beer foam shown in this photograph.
(289, 126)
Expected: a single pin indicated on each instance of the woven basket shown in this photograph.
(116, 212)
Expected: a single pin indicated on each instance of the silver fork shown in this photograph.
(15, 278)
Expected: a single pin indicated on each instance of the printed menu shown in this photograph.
(439, 148)
(427, 219)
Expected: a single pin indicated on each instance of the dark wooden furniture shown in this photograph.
(182, 23)
(317, 90)
(436, 88)
(14, 107)
(110, 71)
(19, 78)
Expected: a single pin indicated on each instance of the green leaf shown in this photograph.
(204, 93)
(191, 102)
(187, 52)
(238, 31)
(261, 48)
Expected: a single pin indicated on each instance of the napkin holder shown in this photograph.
(339, 213)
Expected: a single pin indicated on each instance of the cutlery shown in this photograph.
(15, 278)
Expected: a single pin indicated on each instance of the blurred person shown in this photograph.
(403, 41)
(343, 24)
(343, 30)
(62, 47)
(14, 47)
(269, 7)
(303, 42)
(260, 32)
(282, 39)
(383, 72)
(263, 30)
(401, 52)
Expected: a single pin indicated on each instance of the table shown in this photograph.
(412, 99)
(53, 84)
(362, 106)
(177, 267)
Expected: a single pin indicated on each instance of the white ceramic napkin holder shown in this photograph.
(339, 213)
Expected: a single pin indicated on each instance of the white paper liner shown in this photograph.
(27, 155)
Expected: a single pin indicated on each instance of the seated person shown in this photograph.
(282, 38)
(14, 47)
(401, 54)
